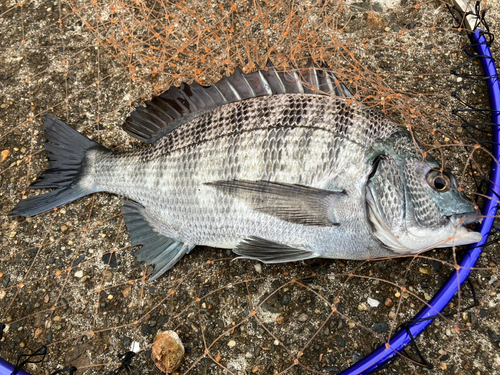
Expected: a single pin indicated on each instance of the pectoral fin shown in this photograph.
(270, 252)
(289, 202)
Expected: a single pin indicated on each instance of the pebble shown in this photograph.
(362, 307)
(254, 369)
(79, 274)
(56, 318)
(388, 302)
(286, 299)
(167, 351)
(352, 325)
(4, 155)
(303, 318)
(493, 336)
(424, 270)
(258, 267)
(380, 327)
(38, 332)
(231, 344)
(280, 319)
(340, 342)
(127, 341)
(373, 302)
(357, 356)
(64, 228)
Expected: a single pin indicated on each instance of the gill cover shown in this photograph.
(412, 208)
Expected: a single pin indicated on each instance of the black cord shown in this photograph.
(72, 370)
(126, 363)
(42, 351)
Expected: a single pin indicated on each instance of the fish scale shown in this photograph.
(265, 166)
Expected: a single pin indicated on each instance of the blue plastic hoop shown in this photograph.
(442, 298)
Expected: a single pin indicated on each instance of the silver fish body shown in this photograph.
(280, 177)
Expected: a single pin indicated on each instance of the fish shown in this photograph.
(278, 166)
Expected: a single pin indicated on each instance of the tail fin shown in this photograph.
(67, 149)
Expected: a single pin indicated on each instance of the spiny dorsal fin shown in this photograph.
(178, 105)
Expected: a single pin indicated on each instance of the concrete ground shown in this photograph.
(68, 278)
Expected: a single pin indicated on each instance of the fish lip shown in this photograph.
(465, 218)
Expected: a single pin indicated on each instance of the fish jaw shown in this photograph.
(462, 236)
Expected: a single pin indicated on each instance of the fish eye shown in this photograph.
(438, 181)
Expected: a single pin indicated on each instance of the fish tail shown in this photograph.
(67, 158)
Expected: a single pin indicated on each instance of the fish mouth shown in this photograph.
(465, 218)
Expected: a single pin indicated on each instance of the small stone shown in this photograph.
(127, 341)
(22, 344)
(443, 366)
(286, 299)
(352, 325)
(459, 79)
(254, 369)
(397, 294)
(4, 155)
(493, 336)
(56, 318)
(2, 294)
(340, 342)
(126, 291)
(388, 302)
(381, 327)
(108, 275)
(373, 302)
(64, 228)
(303, 318)
(231, 344)
(12, 234)
(167, 351)
(79, 274)
(258, 267)
(38, 332)
(362, 307)
(387, 29)
(357, 356)
(424, 270)
(276, 342)
(280, 319)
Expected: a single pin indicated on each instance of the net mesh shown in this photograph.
(68, 279)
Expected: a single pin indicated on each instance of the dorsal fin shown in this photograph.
(178, 105)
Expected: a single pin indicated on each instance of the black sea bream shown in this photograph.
(265, 165)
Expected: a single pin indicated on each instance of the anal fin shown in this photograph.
(158, 250)
(270, 252)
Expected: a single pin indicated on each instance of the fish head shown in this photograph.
(415, 205)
